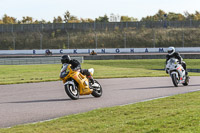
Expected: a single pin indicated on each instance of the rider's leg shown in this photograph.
(87, 73)
(184, 66)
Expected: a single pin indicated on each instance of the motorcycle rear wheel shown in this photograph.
(174, 80)
(72, 93)
(97, 92)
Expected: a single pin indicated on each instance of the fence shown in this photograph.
(100, 35)
(131, 38)
(97, 26)
(30, 61)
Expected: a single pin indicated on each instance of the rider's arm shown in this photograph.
(77, 67)
(75, 64)
(178, 57)
(167, 58)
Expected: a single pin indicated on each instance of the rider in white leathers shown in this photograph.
(173, 54)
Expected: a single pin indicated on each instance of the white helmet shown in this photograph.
(171, 50)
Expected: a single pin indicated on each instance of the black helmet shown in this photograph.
(65, 59)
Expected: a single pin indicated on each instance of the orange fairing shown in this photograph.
(179, 68)
(83, 83)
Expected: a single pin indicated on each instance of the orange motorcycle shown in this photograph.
(77, 84)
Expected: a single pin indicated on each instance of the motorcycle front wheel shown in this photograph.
(97, 92)
(174, 80)
(72, 91)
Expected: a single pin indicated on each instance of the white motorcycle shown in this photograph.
(177, 72)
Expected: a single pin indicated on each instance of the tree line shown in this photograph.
(68, 18)
(171, 16)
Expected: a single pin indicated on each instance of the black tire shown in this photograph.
(174, 80)
(74, 95)
(97, 92)
(186, 81)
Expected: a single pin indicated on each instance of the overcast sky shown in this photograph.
(47, 9)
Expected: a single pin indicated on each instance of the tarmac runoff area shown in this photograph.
(34, 102)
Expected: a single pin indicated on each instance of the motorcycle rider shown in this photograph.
(173, 54)
(76, 66)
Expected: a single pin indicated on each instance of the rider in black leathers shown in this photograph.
(75, 65)
(173, 54)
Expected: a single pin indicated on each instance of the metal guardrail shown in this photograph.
(30, 61)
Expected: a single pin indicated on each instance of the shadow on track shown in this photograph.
(157, 87)
(36, 101)
(148, 88)
(48, 100)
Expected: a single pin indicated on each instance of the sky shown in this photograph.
(48, 9)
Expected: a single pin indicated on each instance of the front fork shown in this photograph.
(176, 73)
(180, 77)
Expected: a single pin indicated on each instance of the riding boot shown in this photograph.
(95, 85)
(91, 79)
(186, 72)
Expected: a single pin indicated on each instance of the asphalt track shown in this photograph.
(33, 102)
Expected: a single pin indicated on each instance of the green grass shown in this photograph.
(12, 74)
(175, 114)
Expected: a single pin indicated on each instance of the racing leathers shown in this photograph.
(180, 59)
(75, 65)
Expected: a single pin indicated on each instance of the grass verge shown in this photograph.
(12, 74)
(178, 113)
(173, 114)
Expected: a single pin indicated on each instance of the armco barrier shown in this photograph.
(56, 60)
(114, 57)
(38, 60)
